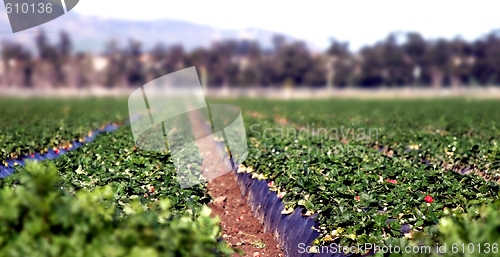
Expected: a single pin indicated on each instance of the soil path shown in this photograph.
(239, 227)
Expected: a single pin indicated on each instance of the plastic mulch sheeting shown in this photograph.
(293, 231)
(6, 171)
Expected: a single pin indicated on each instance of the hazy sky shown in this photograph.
(359, 22)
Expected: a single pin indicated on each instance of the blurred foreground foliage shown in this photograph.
(37, 218)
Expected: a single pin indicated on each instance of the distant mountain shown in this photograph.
(91, 33)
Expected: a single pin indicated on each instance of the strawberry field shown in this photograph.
(36, 125)
(135, 205)
(373, 171)
(391, 172)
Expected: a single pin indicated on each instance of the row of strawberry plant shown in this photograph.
(114, 159)
(143, 179)
(455, 134)
(29, 126)
(473, 233)
(357, 192)
(40, 219)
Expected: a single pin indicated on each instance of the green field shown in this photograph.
(104, 199)
(368, 168)
(33, 125)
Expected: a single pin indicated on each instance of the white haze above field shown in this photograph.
(198, 23)
(359, 22)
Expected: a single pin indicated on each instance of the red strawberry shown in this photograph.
(56, 151)
(152, 189)
(429, 199)
(32, 155)
(270, 184)
(357, 198)
(392, 181)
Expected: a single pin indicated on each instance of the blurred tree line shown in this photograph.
(398, 60)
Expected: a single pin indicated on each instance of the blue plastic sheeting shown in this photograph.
(6, 171)
(293, 231)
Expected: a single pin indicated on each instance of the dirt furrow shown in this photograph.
(239, 227)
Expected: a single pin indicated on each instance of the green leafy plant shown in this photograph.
(474, 233)
(319, 155)
(36, 125)
(38, 218)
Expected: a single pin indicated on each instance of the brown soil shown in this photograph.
(239, 227)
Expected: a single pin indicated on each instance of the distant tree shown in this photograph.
(249, 77)
(116, 70)
(63, 52)
(338, 56)
(294, 61)
(65, 44)
(461, 66)
(159, 52)
(18, 64)
(486, 68)
(216, 68)
(232, 72)
(371, 68)
(269, 71)
(254, 52)
(112, 48)
(219, 59)
(438, 57)
(397, 69)
(389, 62)
(133, 66)
(316, 74)
(176, 57)
(134, 48)
(84, 71)
(415, 48)
(159, 55)
(45, 50)
(197, 57)
(279, 42)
